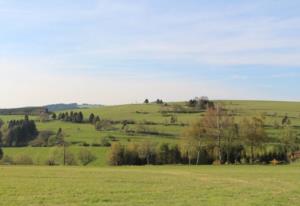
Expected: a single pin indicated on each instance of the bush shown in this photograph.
(50, 162)
(103, 125)
(116, 154)
(112, 138)
(85, 156)
(52, 141)
(70, 158)
(38, 142)
(54, 156)
(96, 144)
(105, 142)
(7, 160)
(85, 144)
(23, 160)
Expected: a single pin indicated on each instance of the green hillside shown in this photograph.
(155, 118)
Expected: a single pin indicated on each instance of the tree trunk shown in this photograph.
(252, 154)
(219, 133)
(198, 157)
(64, 154)
(198, 154)
(228, 156)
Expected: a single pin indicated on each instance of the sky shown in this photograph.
(123, 51)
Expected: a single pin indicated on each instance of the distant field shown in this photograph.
(159, 185)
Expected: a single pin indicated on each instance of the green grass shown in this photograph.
(274, 112)
(166, 185)
(98, 184)
(40, 155)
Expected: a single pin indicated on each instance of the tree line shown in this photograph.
(76, 117)
(18, 132)
(218, 138)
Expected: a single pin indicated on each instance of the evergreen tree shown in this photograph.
(97, 119)
(80, 117)
(53, 116)
(91, 118)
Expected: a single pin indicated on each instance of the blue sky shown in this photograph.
(123, 51)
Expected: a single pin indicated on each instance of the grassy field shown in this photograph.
(165, 185)
(98, 184)
(273, 111)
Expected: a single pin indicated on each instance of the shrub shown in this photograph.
(52, 141)
(85, 156)
(103, 125)
(96, 144)
(112, 138)
(56, 157)
(38, 142)
(7, 160)
(23, 160)
(116, 154)
(42, 139)
(70, 158)
(50, 162)
(85, 144)
(105, 142)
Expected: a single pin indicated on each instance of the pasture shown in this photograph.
(150, 185)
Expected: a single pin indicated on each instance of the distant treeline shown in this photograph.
(24, 111)
(76, 117)
(60, 107)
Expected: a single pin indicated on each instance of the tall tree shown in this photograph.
(91, 118)
(97, 119)
(216, 121)
(230, 136)
(53, 116)
(253, 133)
(192, 140)
(289, 139)
(146, 150)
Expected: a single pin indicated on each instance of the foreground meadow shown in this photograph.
(153, 185)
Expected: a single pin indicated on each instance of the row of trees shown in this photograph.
(158, 154)
(200, 103)
(76, 117)
(144, 153)
(158, 101)
(93, 119)
(219, 127)
(18, 132)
